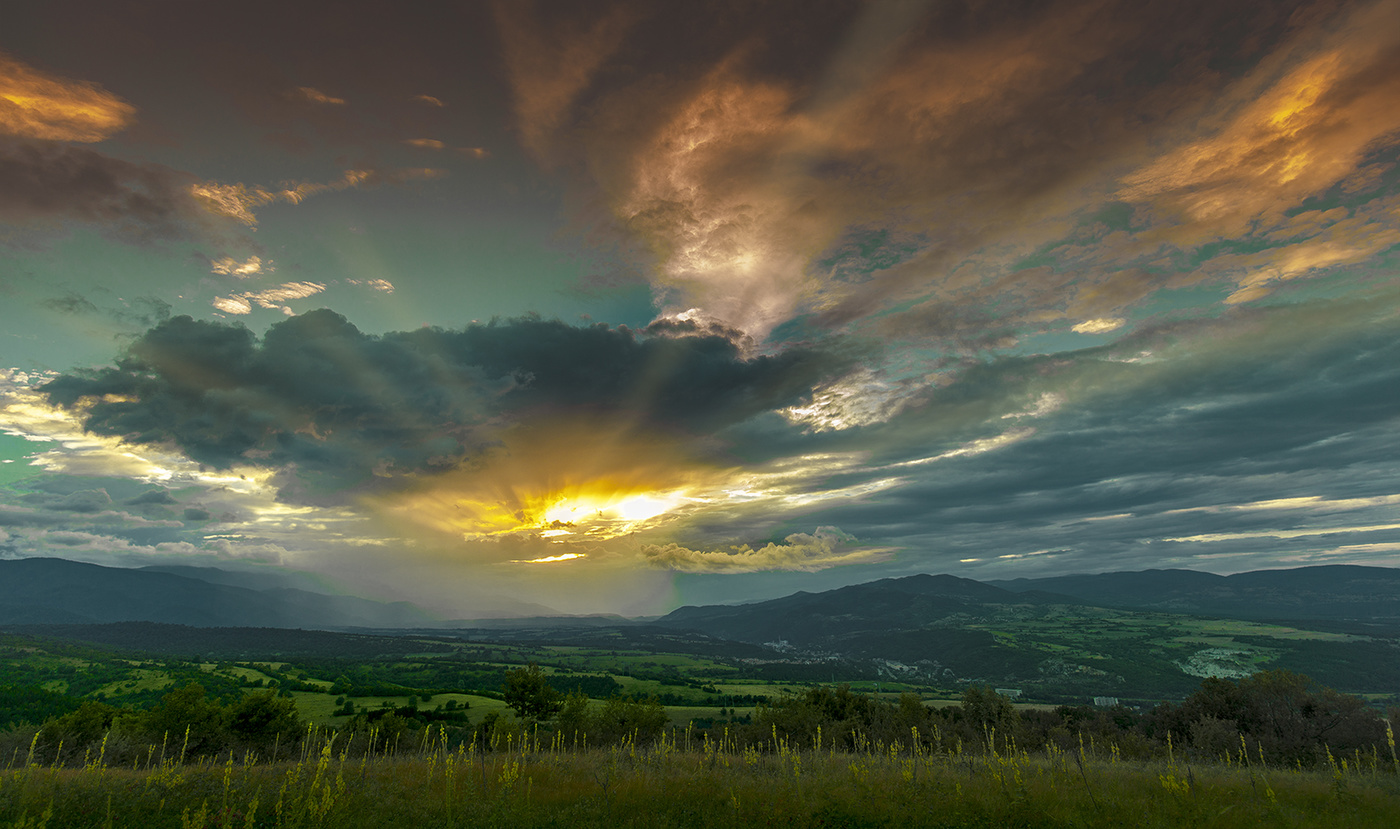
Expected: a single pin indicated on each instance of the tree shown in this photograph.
(260, 717)
(988, 712)
(1287, 715)
(528, 692)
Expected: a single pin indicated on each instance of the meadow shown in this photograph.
(418, 731)
(687, 779)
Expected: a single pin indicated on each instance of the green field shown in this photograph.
(681, 782)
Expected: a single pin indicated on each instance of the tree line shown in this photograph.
(1274, 717)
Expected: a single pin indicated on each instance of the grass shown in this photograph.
(686, 780)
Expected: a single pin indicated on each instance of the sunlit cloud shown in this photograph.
(239, 201)
(270, 298)
(859, 399)
(230, 266)
(826, 547)
(550, 559)
(1295, 136)
(425, 143)
(1099, 326)
(316, 96)
(383, 285)
(427, 99)
(976, 447)
(566, 480)
(1303, 533)
(34, 104)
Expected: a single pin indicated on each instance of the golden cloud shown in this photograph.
(239, 304)
(239, 201)
(1308, 130)
(1102, 325)
(229, 266)
(562, 480)
(36, 105)
(827, 547)
(316, 96)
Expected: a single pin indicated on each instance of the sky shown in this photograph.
(525, 307)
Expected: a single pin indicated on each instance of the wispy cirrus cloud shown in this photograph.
(316, 96)
(277, 297)
(240, 201)
(229, 266)
(552, 62)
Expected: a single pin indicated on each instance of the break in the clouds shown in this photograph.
(994, 288)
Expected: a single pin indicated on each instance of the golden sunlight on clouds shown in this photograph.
(238, 201)
(549, 559)
(229, 266)
(1099, 326)
(271, 298)
(731, 237)
(1307, 131)
(383, 285)
(316, 96)
(36, 105)
(827, 547)
(25, 412)
(567, 480)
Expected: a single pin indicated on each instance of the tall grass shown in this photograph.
(688, 779)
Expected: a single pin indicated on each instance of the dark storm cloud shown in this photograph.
(1181, 430)
(155, 497)
(47, 182)
(343, 407)
(71, 303)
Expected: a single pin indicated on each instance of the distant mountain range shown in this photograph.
(1148, 634)
(1362, 595)
(58, 591)
(1157, 631)
(1338, 592)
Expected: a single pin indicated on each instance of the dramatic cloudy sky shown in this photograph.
(620, 305)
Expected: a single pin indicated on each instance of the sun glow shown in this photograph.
(564, 481)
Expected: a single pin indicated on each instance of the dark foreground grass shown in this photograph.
(703, 785)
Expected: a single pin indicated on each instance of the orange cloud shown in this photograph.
(827, 547)
(1309, 129)
(740, 185)
(316, 96)
(239, 201)
(425, 143)
(427, 99)
(36, 105)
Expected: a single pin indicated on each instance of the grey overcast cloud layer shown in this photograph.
(621, 306)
